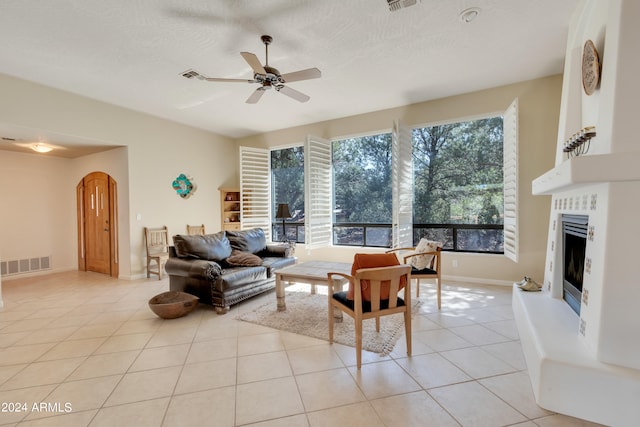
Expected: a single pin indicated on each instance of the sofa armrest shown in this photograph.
(274, 250)
(193, 268)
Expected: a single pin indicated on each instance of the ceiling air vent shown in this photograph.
(191, 74)
(395, 5)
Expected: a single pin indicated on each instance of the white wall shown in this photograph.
(156, 152)
(539, 102)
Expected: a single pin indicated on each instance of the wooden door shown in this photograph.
(97, 227)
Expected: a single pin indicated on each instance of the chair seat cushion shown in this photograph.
(341, 297)
(423, 271)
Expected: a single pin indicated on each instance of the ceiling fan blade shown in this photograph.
(253, 62)
(255, 96)
(193, 74)
(216, 79)
(298, 96)
(309, 73)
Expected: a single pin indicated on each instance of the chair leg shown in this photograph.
(407, 330)
(160, 268)
(330, 322)
(148, 268)
(378, 324)
(417, 288)
(358, 324)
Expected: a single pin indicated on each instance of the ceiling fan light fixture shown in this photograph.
(40, 147)
(469, 15)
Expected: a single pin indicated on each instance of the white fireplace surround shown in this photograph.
(588, 366)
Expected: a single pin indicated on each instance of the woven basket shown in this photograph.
(173, 304)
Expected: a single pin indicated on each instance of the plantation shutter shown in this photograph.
(318, 192)
(510, 168)
(402, 186)
(255, 189)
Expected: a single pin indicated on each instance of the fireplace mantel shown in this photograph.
(588, 169)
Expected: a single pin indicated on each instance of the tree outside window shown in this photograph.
(458, 179)
(457, 187)
(287, 186)
(362, 191)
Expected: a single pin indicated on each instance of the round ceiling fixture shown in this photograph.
(469, 15)
(41, 147)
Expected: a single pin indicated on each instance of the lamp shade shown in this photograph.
(283, 211)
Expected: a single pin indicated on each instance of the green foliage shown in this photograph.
(287, 180)
(362, 179)
(458, 173)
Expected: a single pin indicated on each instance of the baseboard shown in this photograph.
(476, 280)
(11, 277)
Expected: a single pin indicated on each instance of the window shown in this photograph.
(458, 185)
(454, 182)
(362, 191)
(287, 186)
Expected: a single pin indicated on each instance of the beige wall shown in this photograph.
(154, 151)
(42, 218)
(539, 102)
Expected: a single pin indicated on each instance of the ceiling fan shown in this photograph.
(268, 77)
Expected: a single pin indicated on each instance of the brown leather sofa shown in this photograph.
(225, 268)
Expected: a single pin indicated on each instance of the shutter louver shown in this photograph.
(510, 170)
(318, 190)
(255, 189)
(402, 186)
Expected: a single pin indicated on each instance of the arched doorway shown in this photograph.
(97, 205)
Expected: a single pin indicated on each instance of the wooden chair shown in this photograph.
(195, 229)
(157, 243)
(361, 310)
(432, 271)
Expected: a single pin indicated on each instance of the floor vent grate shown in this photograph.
(25, 265)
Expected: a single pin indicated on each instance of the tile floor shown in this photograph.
(88, 351)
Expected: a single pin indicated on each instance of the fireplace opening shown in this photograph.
(574, 230)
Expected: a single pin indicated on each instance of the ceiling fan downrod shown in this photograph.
(267, 41)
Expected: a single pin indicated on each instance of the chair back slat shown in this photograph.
(379, 277)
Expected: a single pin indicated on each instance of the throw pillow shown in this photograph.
(372, 261)
(289, 249)
(243, 259)
(421, 262)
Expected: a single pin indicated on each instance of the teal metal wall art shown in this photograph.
(183, 186)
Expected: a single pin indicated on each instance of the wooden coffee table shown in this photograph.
(311, 272)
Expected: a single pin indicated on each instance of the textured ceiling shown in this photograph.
(131, 53)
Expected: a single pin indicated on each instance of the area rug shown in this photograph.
(306, 314)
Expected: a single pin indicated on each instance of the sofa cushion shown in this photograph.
(211, 247)
(243, 259)
(252, 241)
(237, 277)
